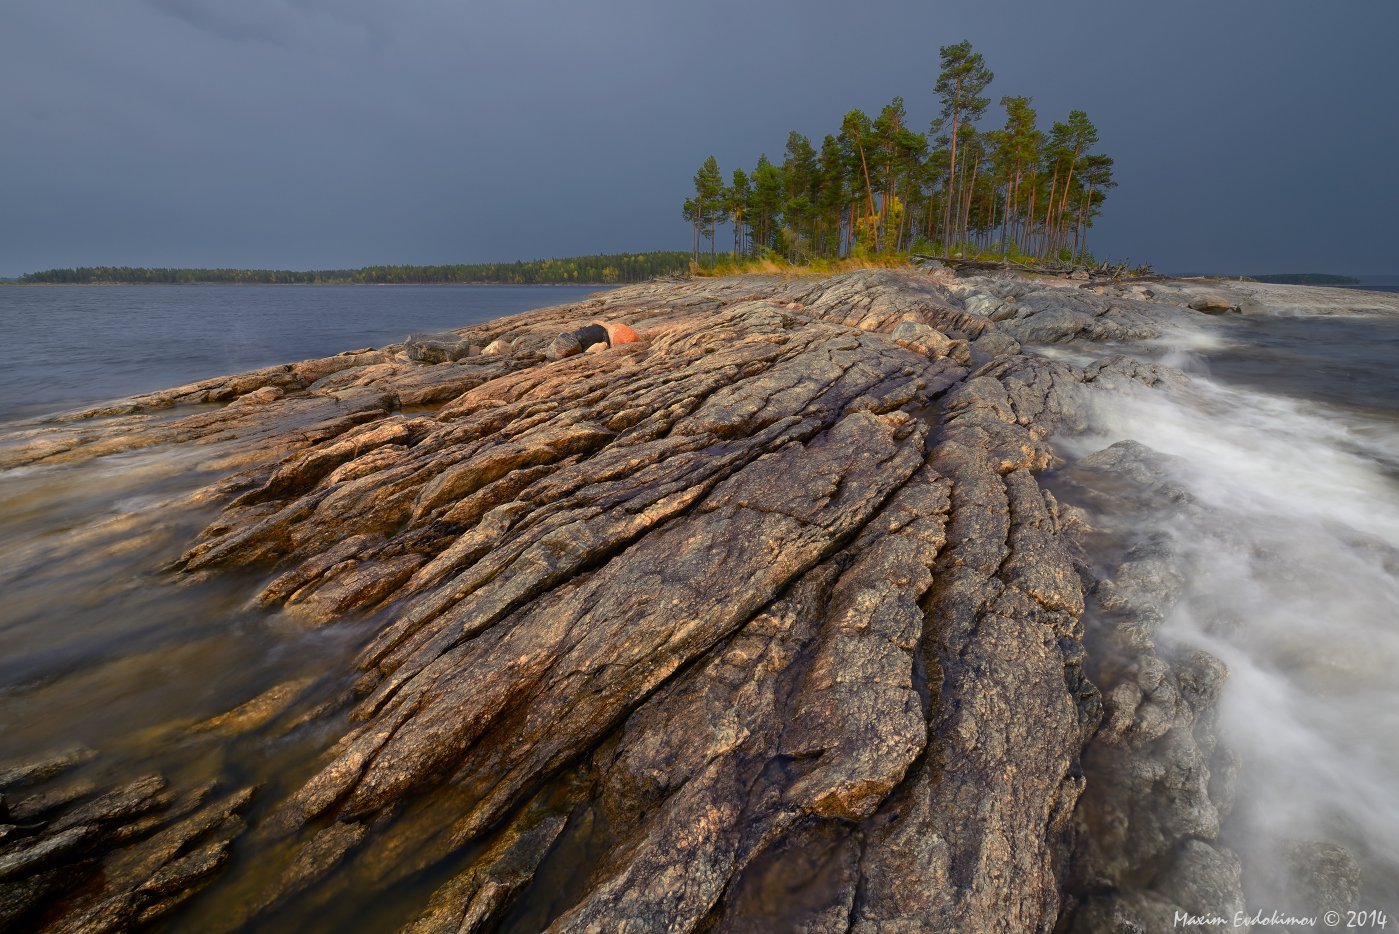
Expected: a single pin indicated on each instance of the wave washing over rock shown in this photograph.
(894, 601)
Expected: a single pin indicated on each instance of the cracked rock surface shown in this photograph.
(762, 622)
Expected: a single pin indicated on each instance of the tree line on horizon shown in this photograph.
(1304, 278)
(876, 186)
(601, 269)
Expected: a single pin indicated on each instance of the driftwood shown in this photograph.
(1104, 270)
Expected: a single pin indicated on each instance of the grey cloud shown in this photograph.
(1249, 135)
(205, 17)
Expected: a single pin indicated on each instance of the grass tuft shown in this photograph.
(774, 266)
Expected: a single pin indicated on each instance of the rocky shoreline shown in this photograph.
(765, 620)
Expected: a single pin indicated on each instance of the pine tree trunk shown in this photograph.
(1068, 183)
(1085, 239)
(952, 167)
(988, 224)
(970, 196)
(869, 193)
(1053, 188)
(1011, 182)
(1027, 232)
(906, 219)
(957, 212)
(1079, 239)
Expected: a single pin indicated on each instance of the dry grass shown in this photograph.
(725, 266)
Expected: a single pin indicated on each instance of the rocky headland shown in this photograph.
(769, 619)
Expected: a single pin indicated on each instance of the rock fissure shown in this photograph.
(764, 620)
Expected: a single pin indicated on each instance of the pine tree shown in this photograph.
(1019, 147)
(800, 177)
(898, 150)
(933, 175)
(1097, 181)
(737, 198)
(857, 130)
(767, 203)
(1075, 137)
(963, 78)
(831, 198)
(709, 200)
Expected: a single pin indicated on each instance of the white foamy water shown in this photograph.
(1292, 579)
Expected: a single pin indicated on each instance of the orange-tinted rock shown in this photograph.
(619, 333)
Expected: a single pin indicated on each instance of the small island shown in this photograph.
(877, 187)
(1306, 278)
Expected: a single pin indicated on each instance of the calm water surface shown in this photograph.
(1349, 362)
(64, 346)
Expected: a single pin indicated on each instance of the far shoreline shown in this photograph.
(312, 285)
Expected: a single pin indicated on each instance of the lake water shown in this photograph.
(65, 346)
(1342, 361)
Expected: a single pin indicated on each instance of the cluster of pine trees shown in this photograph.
(878, 187)
(586, 270)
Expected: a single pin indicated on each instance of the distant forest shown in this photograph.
(877, 187)
(1306, 278)
(583, 270)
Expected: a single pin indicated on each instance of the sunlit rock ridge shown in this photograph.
(777, 618)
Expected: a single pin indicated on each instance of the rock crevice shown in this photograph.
(761, 620)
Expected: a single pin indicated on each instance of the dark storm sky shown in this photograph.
(1250, 135)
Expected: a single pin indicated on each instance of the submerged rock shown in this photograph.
(1214, 305)
(438, 348)
(111, 860)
